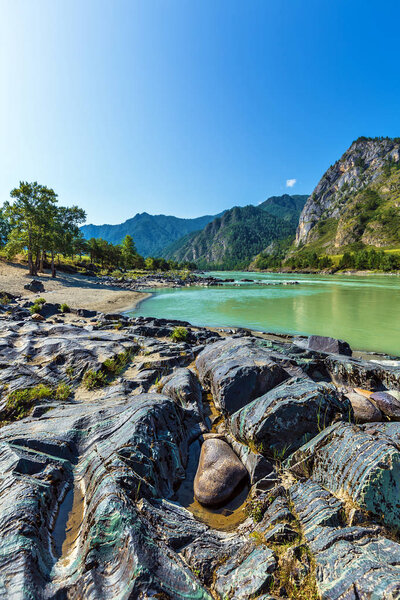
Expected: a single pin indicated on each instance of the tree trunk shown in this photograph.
(53, 267)
(41, 270)
(30, 260)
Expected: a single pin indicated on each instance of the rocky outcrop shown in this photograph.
(283, 418)
(358, 462)
(98, 481)
(236, 371)
(360, 165)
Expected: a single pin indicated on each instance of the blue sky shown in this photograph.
(188, 107)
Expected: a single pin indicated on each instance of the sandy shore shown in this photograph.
(75, 290)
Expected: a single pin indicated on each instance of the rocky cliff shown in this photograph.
(356, 200)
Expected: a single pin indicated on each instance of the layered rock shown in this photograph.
(284, 417)
(237, 371)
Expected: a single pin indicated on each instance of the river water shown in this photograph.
(364, 310)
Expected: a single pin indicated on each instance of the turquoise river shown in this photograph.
(364, 310)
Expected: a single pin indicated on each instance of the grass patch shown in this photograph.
(179, 334)
(64, 308)
(20, 402)
(93, 380)
(116, 365)
(63, 391)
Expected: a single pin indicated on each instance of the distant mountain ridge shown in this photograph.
(151, 233)
(233, 239)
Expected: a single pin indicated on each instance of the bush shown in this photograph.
(115, 365)
(63, 391)
(40, 301)
(35, 308)
(64, 308)
(179, 334)
(20, 402)
(93, 380)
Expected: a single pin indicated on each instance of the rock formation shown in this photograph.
(106, 420)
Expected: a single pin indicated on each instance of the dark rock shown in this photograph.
(327, 344)
(247, 574)
(256, 464)
(237, 371)
(49, 309)
(34, 286)
(183, 386)
(279, 421)
(387, 403)
(84, 312)
(218, 474)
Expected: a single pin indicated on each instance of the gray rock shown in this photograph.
(237, 371)
(352, 562)
(283, 418)
(218, 474)
(325, 344)
(371, 477)
(34, 286)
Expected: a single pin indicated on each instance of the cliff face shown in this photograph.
(364, 166)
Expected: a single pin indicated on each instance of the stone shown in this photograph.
(364, 410)
(352, 562)
(387, 403)
(237, 371)
(34, 286)
(247, 574)
(183, 386)
(84, 312)
(280, 421)
(37, 317)
(219, 473)
(362, 462)
(328, 344)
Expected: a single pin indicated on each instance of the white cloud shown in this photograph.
(290, 182)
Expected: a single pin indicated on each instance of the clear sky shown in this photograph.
(188, 107)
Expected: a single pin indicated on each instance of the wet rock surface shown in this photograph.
(105, 417)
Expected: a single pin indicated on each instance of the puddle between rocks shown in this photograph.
(68, 522)
(223, 518)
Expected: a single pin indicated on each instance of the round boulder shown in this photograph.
(219, 473)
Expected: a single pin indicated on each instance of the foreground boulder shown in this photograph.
(362, 462)
(280, 421)
(352, 562)
(237, 371)
(364, 410)
(219, 473)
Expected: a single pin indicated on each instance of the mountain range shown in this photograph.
(151, 233)
(355, 205)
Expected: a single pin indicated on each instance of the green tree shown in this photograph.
(128, 251)
(29, 215)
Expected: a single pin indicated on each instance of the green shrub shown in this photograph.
(40, 301)
(64, 308)
(114, 366)
(63, 391)
(179, 334)
(93, 380)
(35, 309)
(20, 402)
